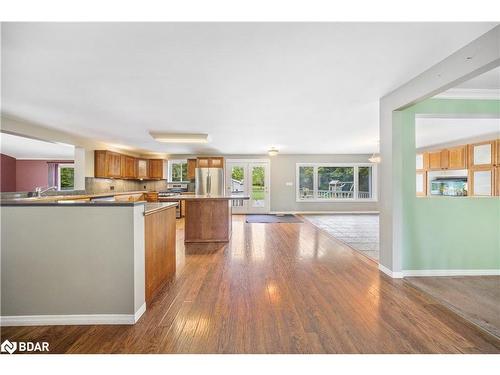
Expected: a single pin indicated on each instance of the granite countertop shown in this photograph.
(152, 207)
(193, 197)
(65, 200)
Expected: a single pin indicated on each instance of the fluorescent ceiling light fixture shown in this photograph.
(180, 137)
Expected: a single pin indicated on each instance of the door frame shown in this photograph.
(268, 177)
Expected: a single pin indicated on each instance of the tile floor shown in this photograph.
(360, 231)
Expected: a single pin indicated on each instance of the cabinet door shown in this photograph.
(457, 157)
(202, 162)
(142, 168)
(128, 167)
(497, 152)
(100, 166)
(481, 182)
(481, 154)
(113, 161)
(216, 162)
(435, 160)
(497, 181)
(156, 168)
(422, 161)
(191, 169)
(421, 186)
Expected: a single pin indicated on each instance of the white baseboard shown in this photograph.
(84, 319)
(487, 272)
(321, 212)
(139, 312)
(387, 271)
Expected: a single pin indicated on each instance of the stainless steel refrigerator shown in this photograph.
(210, 181)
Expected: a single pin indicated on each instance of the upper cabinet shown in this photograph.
(128, 167)
(438, 160)
(191, 169)
(422, 161)
(457, 157)
(482, 155)
(142, 168)
(450, 158)
(210, 162)
(107, 164)
(156, 169)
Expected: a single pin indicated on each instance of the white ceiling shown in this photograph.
(302, 87)
(437, 131)
(28, 148)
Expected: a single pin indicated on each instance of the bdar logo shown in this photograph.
(8, 347)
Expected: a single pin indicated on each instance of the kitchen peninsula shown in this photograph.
(207, 217)
(91, 262)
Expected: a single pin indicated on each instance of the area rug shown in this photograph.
(273, 219)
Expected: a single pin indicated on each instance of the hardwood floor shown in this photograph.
(277, 288)
(476, 298)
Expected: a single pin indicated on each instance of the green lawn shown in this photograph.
(257, 193)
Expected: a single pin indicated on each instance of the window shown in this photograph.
(66, 176)
(177, 170)
(322, 182)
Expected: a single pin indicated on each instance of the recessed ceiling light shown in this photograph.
(180, 137)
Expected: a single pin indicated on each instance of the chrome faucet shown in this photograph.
(39, 191)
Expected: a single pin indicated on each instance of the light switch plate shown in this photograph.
(289, 183)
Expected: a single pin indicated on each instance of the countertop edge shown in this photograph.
(161, 207)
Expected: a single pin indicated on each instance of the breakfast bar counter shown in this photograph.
(207, 217)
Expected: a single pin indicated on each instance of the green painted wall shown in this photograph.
(446, 233)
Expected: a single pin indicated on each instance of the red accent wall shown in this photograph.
(30, 174)
(7, 173)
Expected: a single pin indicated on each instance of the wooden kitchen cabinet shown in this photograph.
(497, 180)
(156, 169)
(457, 157)
(107, 164)
(421, 183)
(191, 169)
(482, 154)
(142, 168)
(422, 161)
(128, 167)
(437, 160)
(210, 162)
(481, 182)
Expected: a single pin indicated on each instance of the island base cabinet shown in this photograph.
(207, 220)
(159, 230)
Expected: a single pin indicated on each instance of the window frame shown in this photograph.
(64, 165)
(175, 161)
(355, 198)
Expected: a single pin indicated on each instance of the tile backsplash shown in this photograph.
(105, 185)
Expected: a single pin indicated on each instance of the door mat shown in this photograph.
(273, 219)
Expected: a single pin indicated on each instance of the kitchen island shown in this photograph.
(207, 217)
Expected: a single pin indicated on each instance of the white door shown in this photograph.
(251, 178)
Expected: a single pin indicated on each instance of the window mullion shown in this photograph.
(315, 182)
(356, 182)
